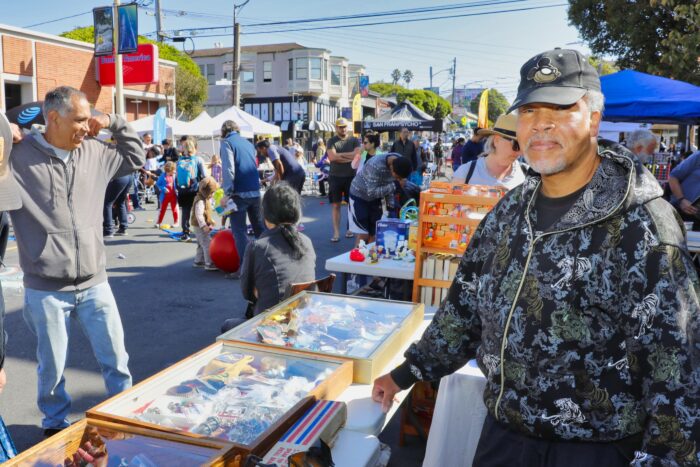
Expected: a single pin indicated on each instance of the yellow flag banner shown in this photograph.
(357, 108)
(483, 121)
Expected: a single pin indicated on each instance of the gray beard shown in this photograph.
(547, 167)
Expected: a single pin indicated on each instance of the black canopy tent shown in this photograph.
(404, 115)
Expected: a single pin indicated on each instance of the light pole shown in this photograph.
(437, 73)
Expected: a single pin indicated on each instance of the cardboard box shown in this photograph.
(391, 233)
(322, 421)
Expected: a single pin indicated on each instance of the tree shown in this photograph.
(395, 76)
(190, 86)
(604, 67)
(659, 37)
(498, 104)
(407, 77)
(386, 89)
(427, 101)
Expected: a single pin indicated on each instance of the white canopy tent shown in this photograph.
(246, 122)
(200, 126)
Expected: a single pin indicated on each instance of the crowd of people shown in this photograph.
(576, 294)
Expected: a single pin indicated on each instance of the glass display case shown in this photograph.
(99, 443)
(241, 394)
(368, 331)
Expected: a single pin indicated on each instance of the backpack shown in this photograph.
(187, 178)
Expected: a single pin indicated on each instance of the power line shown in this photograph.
(485, 13)
(59, 19)
(390, 13)
(364, 15)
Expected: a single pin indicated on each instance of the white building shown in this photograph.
(282, 83)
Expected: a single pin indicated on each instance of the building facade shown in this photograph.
(296, 87)
(32, 63)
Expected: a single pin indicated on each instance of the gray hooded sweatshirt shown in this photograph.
(59, 227)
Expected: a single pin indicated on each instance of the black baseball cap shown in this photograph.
(559, 76)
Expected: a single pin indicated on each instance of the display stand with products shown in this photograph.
(449, 213)
(120, 445)
(369, 331)
(245, 395)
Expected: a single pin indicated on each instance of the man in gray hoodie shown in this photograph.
(62, 176)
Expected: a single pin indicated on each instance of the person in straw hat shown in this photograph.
(498, 165)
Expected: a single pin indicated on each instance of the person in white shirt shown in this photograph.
(498, 165)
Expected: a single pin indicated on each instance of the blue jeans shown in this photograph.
(48, 314)
(251, 207)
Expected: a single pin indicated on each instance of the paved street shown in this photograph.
(169, 311)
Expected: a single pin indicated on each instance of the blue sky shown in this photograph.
(489, 48)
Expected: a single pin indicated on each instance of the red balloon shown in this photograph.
(223, 251)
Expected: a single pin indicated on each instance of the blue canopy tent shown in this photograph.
(631, 96)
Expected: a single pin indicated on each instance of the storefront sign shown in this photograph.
(140, 67)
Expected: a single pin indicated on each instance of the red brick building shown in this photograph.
(31, 63)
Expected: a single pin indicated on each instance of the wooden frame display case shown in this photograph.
(121, 445)
(369, 331)
(449, 213)
(245, 395)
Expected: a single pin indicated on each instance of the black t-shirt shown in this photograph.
(550, 210)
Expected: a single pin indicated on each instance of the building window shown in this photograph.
(267, 72)
(325, 69)
(208, 72)
(336, 71)
(291, 69)
(248, 76)
(302, 68)
(315, 68)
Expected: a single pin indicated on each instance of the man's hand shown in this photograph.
(384, 391)
(688, 208)
(98, 123)
(17, 134)
(3, 379)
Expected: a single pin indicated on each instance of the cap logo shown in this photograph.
(543, 72)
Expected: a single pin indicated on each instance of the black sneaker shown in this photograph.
(121, 233)
(184, 238)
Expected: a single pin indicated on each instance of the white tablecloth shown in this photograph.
(384, 268)
(458, 418)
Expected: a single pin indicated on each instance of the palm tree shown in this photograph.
(395, 76)
(407, 77)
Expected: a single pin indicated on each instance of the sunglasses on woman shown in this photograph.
(515, 145)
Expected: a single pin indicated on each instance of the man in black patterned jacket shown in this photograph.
(576, 296)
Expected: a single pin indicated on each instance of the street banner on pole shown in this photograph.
(357, 108)
(483, 121)
(364, 86)
(103, 22)
(128, 28)
(159, 130)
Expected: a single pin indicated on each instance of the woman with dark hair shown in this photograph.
(371, 142)
(281, 256)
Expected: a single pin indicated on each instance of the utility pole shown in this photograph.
(235, 88)
(454, 77)
(118, 69)
(159, 23)
(431, 77)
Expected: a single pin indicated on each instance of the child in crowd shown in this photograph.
(167, 192)
(215, 168)
(202, 222)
